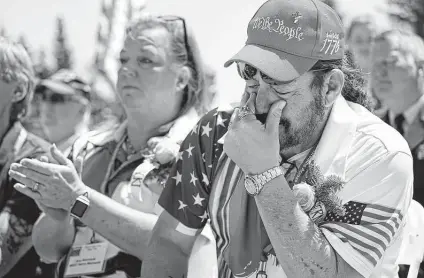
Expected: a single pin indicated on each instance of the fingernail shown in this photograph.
(13, 166)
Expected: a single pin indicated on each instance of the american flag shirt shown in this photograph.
(371, 157)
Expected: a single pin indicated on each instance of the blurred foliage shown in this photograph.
(62, 52)
(41, 67)
(408, 12)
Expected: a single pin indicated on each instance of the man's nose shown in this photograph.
(264, 99)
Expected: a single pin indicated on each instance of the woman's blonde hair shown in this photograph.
(407, 42)
(16, 65)
(185, 51)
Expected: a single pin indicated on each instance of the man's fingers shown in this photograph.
(79, 162)
(234, 117)
(251, 103)
(58, 155)
(36, 165)
(244, 98)
(27, 191)
(274, 116)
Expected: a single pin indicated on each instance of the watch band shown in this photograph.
(261, 179)
(80, 206)
(268, 175)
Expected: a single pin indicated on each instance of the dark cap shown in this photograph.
(285, 38)
(66, 82)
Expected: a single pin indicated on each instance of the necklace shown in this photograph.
(302, 167)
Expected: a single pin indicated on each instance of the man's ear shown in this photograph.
(333, 85)
(183, 78)
(19, 93)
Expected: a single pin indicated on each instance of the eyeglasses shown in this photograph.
(171, 18)
(59, 99)
(248, 72)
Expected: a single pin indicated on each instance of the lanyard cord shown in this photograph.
(111, 164)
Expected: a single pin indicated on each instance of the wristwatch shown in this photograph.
(255, 183)
(80, 206)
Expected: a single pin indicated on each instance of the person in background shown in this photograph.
(161, 85)
(64, 108)
(32, 121)
(18, 213)
(398, 81)
(359, 38)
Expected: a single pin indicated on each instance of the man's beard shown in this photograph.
(292, 135)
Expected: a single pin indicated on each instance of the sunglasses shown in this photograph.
(248, 72)
(58, 98)
(173, 18)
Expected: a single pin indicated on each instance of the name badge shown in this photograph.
(86, 259)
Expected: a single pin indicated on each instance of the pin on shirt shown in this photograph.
(296, 16)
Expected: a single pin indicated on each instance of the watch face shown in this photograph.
(250, 186)
(79, 208)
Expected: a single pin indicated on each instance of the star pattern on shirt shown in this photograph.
(353, 214)
(179, 156)
(198, 200)
(205, 179)
(194, 130)
(189, 150)
(177, 178)
(182, 205)
(193, 178)
(220, 121)
(204, 217)
(206, 129)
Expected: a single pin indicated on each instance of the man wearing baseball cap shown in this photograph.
(301, 179)
(64, 108)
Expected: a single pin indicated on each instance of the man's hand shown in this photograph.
(253, 146)
(58, 184)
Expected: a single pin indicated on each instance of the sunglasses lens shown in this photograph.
(246, 71)
(267, 79)
(54, 98)
(250, 71)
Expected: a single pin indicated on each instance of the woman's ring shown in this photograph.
(36, 186)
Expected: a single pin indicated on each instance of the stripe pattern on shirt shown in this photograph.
(369, 228)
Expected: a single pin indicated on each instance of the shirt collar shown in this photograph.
(14, 139)
(65, 145)
(336, 140)
(414, 111)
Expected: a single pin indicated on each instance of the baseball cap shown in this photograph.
(66, 82)
(285, 38)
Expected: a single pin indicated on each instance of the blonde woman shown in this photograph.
(161, 86)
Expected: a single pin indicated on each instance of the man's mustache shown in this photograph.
(262, 118)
